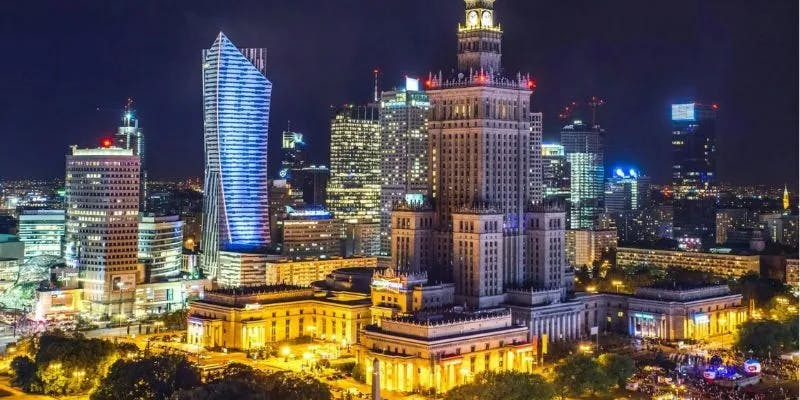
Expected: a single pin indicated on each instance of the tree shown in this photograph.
(580, 373)
(295, 386)
(65, 364)
(503, 386)
(768, 337)
(24, 373)
(223, 390)
(617, 367)
(240, 381)
(150, 378)
(760, 289)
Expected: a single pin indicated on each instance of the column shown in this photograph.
(574, 326)
(568, 334)
(558, 327)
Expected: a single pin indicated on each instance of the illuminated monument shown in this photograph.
(483, 145)
(236, 103)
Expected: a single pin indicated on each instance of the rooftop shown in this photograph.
(480, 78)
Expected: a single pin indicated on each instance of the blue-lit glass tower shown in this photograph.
(236, 102)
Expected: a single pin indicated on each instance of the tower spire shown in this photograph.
(375, 94)
(786, 204)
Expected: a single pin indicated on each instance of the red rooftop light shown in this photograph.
(531, 84)
(106, 142)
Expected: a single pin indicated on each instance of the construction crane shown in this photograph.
(593, 103)
(566, 111)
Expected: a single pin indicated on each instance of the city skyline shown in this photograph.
(678, 68)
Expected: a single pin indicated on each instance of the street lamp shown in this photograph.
(285, 352)
(464, 374)
(616, 284)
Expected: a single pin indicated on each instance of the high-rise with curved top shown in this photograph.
(236, 102)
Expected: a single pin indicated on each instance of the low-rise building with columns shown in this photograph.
(545, 314)
(707, 313)
(253, 317)
(438, 351)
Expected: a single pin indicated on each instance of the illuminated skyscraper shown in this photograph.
(314, 185)
(354, 185)
(236, 104)
(626, 191)
(583, 146)
(404, 151)
(555, 172)
(130, 136)
(694, 171)
(293, 160)
(694, 149)
(102, 196)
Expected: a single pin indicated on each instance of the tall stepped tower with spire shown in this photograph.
(484, 170)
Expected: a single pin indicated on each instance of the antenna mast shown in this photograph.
(375, 94)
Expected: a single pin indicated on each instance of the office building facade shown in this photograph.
(586, 246)
(355, 163)
(293, 160)
(732, 265)
(626, 191)
(583, 147)
(693, 149)
(161, 246)
(102, 197)
(555, 172)
(42, 232)
(404, 151)
(236, 104)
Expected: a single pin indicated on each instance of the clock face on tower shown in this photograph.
(472, 18)
(486, 19)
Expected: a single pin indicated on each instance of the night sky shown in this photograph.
(68, 66)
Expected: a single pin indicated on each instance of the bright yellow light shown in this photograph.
(285, 351)
(464, 371)
(585, 348)
(591, 289)
(307, 355)
(616, 283)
